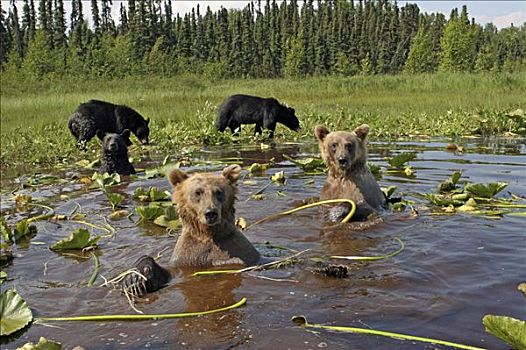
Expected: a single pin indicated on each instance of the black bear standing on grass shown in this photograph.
(264, 112)
(115, 153)
(99, 115)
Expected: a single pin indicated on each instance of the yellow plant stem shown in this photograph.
(49, 214)
(142, 317)
(95, 269)
(311, 205)
(302, 320)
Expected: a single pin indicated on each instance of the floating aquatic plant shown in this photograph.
(400, 159)
(14, 311)
(507, 329)
(485, 190)
(278, 177)
(152, 194)
(308, 164)
(302, 321)
(115, 199)
(78, 239)
(43, 344)
(450, 184)
(105, 180)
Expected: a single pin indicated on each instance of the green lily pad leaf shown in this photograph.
(450, 184)
(141, 194)
(441, 200)
(388, 191)
(507, 329)
(256, 168)
(115, 199)
(78, 239)
(400, 159)
(374, 169)
(278, 177)
(43, 344)
(149, 213)
(3, 277)
(485, 190)
(5, 230)
(104, 180)
(23, 229)
(14, 311)
(164, 222)
(118, 214)
(5, 252)
(308, 164)
(470, 205)
(85, 163)
(159, 171)
(157, 195)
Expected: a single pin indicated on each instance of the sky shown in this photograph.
(501, 12)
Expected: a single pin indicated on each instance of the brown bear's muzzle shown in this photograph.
(211, 217)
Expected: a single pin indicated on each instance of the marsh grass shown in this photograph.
(34, 114)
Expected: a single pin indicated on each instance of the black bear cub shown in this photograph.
(100, 115)
(264, 112)
(115, 153)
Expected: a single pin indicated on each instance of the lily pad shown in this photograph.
(441, 200)
(308, 164)
(149, 213)
(3, 277)
(5, 230)
(450, 184)
(23, 229)
(507, 329)
(78, 239)
(104, 180)
(388, 191)
(43, 344)
(400, 159)
(278, 177)
(14, 311)
(152, 194)
(485, 190)
(115, 199)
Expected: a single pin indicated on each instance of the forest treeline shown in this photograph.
(265, 39)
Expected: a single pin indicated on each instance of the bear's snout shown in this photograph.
(145, 141)
(113, 146)
(343, 162)
(211, 216)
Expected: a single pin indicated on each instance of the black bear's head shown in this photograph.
(288, 118)
(143, 131)
(115, 143)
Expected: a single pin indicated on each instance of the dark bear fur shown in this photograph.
(264, 112)
(345, 154)
(100, 115)
(115, 153)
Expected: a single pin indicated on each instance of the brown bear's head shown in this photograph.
(205, 197)
(342, 151)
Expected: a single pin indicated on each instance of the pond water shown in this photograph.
(454, 269)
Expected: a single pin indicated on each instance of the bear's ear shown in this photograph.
(101, 134)
(231, 173)
(176, 176)
(147, 121)
(126, 133)
(320, 131)
(362, 131)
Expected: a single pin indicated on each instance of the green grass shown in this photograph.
(34, 114)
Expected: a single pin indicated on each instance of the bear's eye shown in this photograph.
(333, 146)
(198, 193)
(220, 195)
(350, 147)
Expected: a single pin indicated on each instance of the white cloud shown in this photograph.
(517, 18)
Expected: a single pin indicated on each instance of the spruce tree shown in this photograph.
(422, 56)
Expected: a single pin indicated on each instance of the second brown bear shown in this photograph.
(345, 154)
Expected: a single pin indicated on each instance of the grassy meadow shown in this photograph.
(34, 114)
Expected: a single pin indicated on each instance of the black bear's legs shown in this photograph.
(258, 129)
(152, 277)
(234, 128)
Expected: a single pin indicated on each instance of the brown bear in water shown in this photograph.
(209, 237)
(345, 154)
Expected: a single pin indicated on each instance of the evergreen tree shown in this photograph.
(458, 47)
(59, 25)
(5, 40)
(422, 56)
(28, 20)
(96, 17)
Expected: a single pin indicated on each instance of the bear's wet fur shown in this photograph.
(264, 112)
(115, 153)
(345, 154)
(100, 115)
(209, 237)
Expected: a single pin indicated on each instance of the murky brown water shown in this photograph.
(453, 271)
